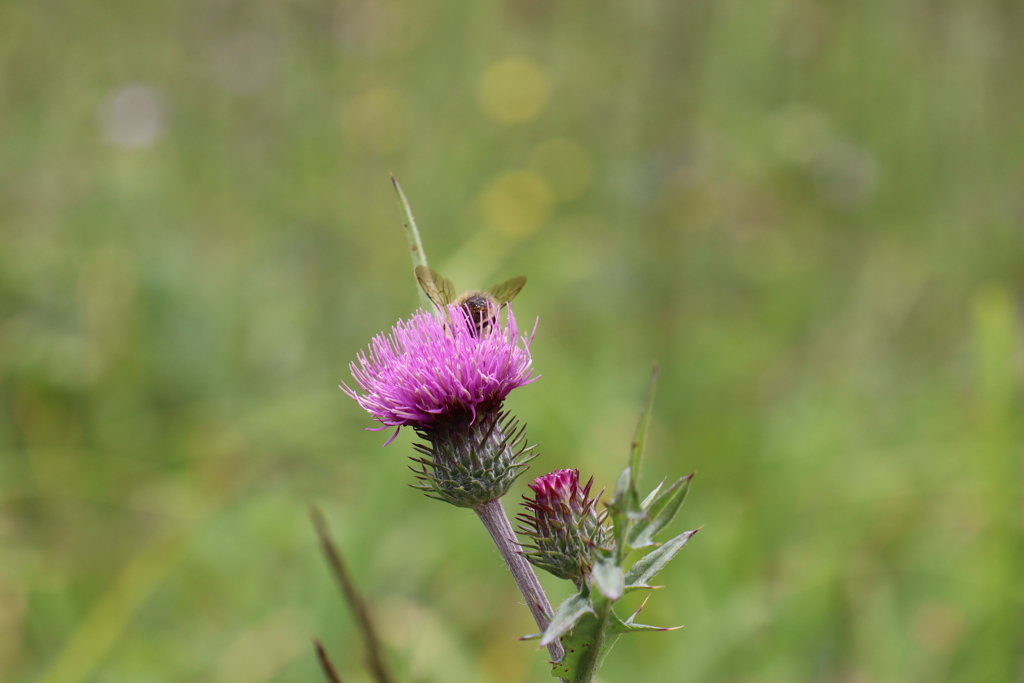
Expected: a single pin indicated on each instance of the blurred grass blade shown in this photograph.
(412, 236)
(99, 632)
(371, 642)
(637, 449)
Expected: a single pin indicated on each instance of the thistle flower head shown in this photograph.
(448, 380)
(430, 370)
(564, 525)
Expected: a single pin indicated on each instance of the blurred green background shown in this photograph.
(809, 212)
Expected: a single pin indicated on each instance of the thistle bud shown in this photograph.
(448, 382)
(564, 526)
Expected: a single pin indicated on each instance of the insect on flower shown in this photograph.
(482, 306)
(449, 383)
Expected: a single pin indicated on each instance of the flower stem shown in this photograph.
(591, 658)
(492, 514)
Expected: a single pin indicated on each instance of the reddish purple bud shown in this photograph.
(564, 525)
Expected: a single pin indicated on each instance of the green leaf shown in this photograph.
(621, 489)
(648, 566)
(619, 626)
(608, 578)
(616, 625)
(660, 508)
(569, 612)
(646, 504)
(620, 520)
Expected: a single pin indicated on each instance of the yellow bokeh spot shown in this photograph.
(516, 204)
(514, 90)
(380, 119)
(565, 165)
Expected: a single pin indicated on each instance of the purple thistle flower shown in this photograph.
(564, 525)
(427, 371)
(448, 381)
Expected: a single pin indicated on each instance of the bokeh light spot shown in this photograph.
(514, 90)
(133, 117)
(565, 165)
(516, 204)
(380, 119)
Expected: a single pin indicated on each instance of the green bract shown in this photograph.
(564, 526)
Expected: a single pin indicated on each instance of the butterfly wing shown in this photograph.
(507, 290)
(437, 287)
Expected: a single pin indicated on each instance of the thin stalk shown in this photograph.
(412, 236)
(492, 514)
(330, 673)
(371, 641)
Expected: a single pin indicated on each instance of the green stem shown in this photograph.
(590, 660)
